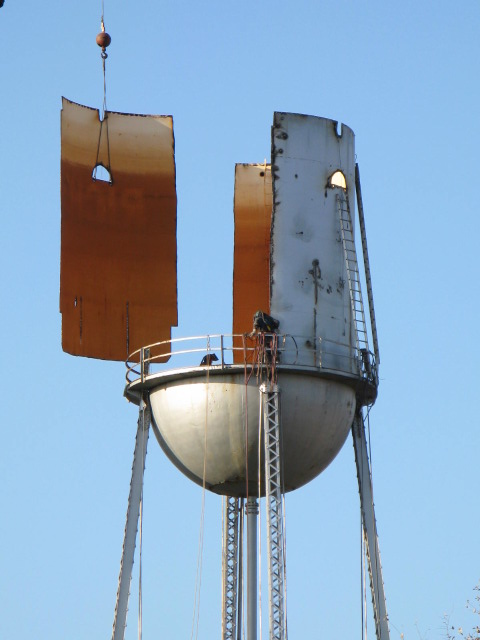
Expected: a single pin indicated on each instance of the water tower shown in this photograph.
(262, 411)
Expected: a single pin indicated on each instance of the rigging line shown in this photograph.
(198, 578)
(364, 612)
(370, 448)
(285, 590)
(240, 600)
(103, 40)
(224, 532)
(105, 114)
(104, 105)
(140, 573)
(140, 544)
(274, 352)
(196, 604)
(245, 356)
(361, 571)
(377, 568)
(377, 557)
(245, 427)
(282, 478)
(245, 423)
(260, 414)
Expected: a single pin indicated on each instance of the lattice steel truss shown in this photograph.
(230, 566)
(273, 477)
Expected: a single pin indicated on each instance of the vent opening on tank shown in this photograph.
(337, 179)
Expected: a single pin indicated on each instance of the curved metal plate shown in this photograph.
(118, 287)
(251, 270)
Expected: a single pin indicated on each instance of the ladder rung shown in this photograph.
(349, 249)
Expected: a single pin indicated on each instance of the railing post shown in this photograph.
(142, 365)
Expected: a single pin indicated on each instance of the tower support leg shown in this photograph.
(273, 491)
(230, 567)
(131, 524)
(370, 528)
(252, 516)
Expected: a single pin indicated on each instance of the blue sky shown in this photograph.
(404, 77)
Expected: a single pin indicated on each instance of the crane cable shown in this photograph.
(103, 40)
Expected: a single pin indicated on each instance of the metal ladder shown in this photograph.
(353, 276)
(273, 477)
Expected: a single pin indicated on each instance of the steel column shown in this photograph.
(370, 528)
(252, 515)
(240, 575)
(131, 524)
(366, 264)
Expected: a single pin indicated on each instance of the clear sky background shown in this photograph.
(405, 77)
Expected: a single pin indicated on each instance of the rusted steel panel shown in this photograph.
(251, 270)
(118, 283)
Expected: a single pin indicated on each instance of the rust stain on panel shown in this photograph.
(118, 283)
(251, 270)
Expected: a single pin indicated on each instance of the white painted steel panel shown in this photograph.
(309, 286)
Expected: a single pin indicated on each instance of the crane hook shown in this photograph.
(103, 40)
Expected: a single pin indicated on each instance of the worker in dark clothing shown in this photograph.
(263, 323)
(208, 360)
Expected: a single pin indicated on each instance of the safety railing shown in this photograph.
(221, 351)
